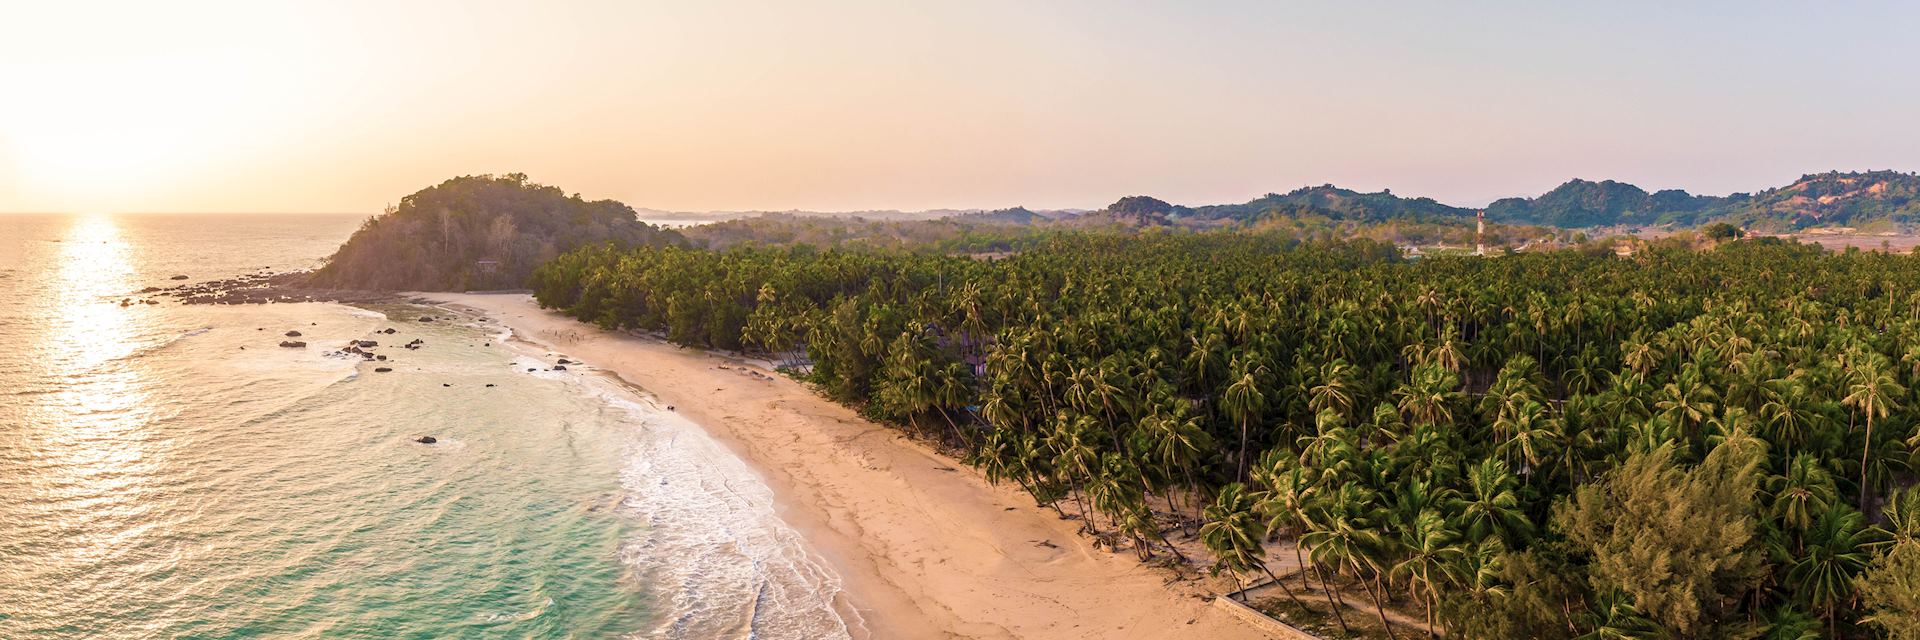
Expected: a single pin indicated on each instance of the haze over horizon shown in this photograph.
(234, 106)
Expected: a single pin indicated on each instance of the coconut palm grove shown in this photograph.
(1709, 440)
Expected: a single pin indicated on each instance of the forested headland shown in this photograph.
(1691, 442)
(479, 232)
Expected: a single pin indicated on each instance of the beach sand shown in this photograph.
(925, 546)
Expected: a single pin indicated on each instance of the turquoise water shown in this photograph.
(167, 471)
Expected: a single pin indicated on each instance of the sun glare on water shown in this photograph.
(92, 430)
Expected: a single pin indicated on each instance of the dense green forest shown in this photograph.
(1685, 444)
(1002, 232)
(478, 232)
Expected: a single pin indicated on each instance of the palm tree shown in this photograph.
(1837, 551)
(1176, 443)
(1489, 507)
(1428, 397)
(1334, 393)
(1687, 402)
(1873, 393)
(1243, 402)
(1784, 412)
(1532, 436)
(1076, 457)
(1801, 494)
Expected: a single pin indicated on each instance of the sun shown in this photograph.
(103, 135)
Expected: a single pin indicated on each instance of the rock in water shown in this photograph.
(559, 367)
(293, 334)
(426, 439)
(179, 277)
(382, 369)
(293, 344)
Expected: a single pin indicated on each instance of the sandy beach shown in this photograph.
(926, 547)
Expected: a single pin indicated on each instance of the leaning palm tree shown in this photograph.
(1176, 442)
(1873, 393)
(1614, 617)
(1233, 534)
(1903, 516)
(1432, 554)
(1289, 490)
(1341, 533)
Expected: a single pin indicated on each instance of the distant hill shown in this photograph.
(1339, 204)
(1132, 211)
(478, 232)
(1016, 215)
(1851, 199)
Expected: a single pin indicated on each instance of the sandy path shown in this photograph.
(926, 547)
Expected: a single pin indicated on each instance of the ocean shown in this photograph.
(169, 471)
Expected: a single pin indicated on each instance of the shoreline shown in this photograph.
(925, 548)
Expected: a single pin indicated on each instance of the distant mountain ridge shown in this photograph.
(1326, 201)
(1849, 199)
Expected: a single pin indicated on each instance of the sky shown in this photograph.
(348, 105)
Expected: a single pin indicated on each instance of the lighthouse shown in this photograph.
(1480, 232)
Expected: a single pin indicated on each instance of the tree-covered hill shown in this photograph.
(1835, 199)
(479, 232)
(1341, 204)
(1584, 203)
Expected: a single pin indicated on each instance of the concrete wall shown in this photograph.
(1261, 621)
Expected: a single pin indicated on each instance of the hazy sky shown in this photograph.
(705, 104)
